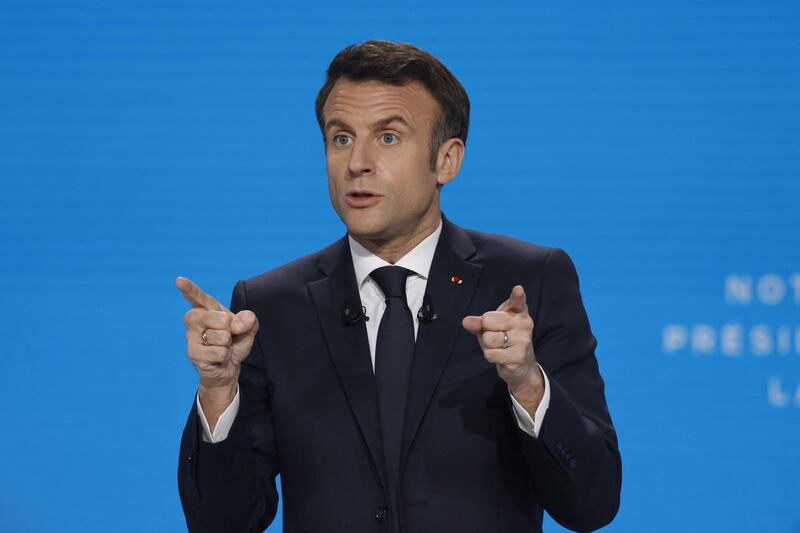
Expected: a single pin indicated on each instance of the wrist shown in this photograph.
(217, 394)
(529, 392)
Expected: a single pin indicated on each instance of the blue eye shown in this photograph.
(341, 140)
(389, 138)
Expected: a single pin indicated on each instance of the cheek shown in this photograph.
(410, 174)
(332, 169)
(421, 183)
(330, 164)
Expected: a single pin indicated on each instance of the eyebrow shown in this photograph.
(388, 120)
(382, 123)
(335, 122)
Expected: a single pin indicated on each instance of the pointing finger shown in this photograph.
(516, 303)
(197, 297)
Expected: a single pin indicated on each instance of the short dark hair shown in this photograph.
(399, 64)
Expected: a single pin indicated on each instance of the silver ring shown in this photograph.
(204, 338)
(505, 340)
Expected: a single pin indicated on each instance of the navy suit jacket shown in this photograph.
(309, 411)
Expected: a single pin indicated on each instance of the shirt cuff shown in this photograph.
(224, 423)
(529, 425)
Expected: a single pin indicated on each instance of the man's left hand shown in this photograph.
(506, 338)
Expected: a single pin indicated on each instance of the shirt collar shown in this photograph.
(418, 260)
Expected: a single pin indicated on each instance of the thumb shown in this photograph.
(473, 324)
(244, 322)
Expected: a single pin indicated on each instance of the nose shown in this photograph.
(361, 160)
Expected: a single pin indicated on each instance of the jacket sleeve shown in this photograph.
(230, 486)
(575, 465)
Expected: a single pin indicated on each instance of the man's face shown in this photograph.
(377, 152)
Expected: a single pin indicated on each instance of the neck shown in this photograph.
(391, 250)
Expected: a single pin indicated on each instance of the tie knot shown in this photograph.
(391, 280)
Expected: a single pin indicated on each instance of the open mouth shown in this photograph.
(362, 198)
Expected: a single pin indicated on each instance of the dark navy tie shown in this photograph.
(393, 353)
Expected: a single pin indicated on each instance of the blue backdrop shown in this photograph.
(658, 143)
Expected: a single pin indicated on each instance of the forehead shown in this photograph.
(370, 101)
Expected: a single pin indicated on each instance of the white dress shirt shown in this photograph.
(418, 261)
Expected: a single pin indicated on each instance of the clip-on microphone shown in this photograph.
(426, 314)
(353, 316)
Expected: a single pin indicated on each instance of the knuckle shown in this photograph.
(212, 353)
(191, 353)
(219, 353)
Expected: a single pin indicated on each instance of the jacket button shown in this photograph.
(380, 514)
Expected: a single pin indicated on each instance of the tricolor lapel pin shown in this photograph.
(457, 280)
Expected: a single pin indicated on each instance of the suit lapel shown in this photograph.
(348, 346)
(435, 339)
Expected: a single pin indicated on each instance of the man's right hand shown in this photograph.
(229, 339)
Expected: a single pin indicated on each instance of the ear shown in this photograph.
(448, 161)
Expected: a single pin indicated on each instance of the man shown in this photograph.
(413, 376)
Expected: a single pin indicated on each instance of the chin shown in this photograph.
(368, 227)
(366, 231)
(372, 232)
